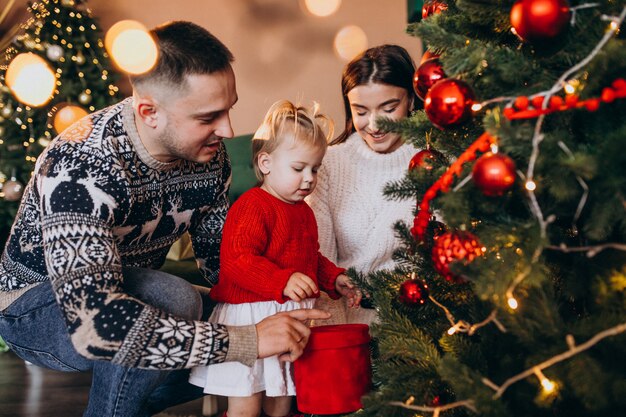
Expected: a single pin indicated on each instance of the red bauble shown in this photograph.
(494, 173)
(452, 247)
(433, 7)
(449, 102)
(426, 76)
(535, 20)
(414, 292)
(427, 55)
(426, 159)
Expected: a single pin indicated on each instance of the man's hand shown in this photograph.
(300, 287)
(286, 334)
(345, 287)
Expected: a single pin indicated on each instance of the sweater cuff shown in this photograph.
(331, 291)
(242, 344)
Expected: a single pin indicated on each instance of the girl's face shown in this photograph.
(371, 101)
(290, 171)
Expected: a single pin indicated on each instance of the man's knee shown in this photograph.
(164, 291)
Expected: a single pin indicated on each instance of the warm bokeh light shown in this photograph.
(350, 41)
(131, 47)
(512, 303)
(322, 8)
(31, 79)
(67, 115)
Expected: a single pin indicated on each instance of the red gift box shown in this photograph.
(334, 371)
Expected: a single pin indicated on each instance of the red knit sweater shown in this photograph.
(264, 241)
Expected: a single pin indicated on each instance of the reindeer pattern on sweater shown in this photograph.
(98, 201)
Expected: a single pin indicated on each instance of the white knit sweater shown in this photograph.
(354, 219)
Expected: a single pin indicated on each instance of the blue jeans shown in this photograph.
(35, 330)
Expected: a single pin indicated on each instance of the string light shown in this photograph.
(569, 89)
(572, 350)
(530, 185)
(512, 302)
(548, 386)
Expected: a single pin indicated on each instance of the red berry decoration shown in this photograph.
(449, 102)
(426, 75)
(433, 7)
(452, 247)
(535, 20)
(494, 173)
(414, 292)
(426, 159)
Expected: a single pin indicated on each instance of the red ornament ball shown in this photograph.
(494, 173)
(426, 75)
(433, 7)
(427, 55)
(535, 20)
(426, 159)
(457, 246)
(414, 292)
(449, 102)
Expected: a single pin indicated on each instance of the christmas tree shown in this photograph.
(66, 36)
(508, 296)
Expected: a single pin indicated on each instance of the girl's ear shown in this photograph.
(264, 160)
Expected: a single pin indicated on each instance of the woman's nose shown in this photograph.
(372, 123)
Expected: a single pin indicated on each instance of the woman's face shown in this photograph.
(370, 101)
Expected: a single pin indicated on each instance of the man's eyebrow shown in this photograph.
(213, 112)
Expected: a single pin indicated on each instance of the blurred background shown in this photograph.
(282, 50)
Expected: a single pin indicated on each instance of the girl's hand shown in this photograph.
(345, 287)
(300, 287)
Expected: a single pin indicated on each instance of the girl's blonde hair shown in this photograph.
(286, 121)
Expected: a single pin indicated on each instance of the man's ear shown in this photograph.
(147, 111)
(264, 160)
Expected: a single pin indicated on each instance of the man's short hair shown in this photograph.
(184, 49)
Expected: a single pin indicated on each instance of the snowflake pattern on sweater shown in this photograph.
(98, 201)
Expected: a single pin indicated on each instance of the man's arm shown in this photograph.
(80, 207)
(206, 232)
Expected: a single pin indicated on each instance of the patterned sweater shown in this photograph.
(98, 201)
(265, 241)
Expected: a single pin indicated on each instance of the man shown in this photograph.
(107, 199)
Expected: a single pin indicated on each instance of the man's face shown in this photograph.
(196, 121)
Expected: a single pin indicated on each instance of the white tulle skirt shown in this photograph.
(233, 379)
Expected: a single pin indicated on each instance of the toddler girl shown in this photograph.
(270, 260)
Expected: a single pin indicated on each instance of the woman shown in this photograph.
(355, 220)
